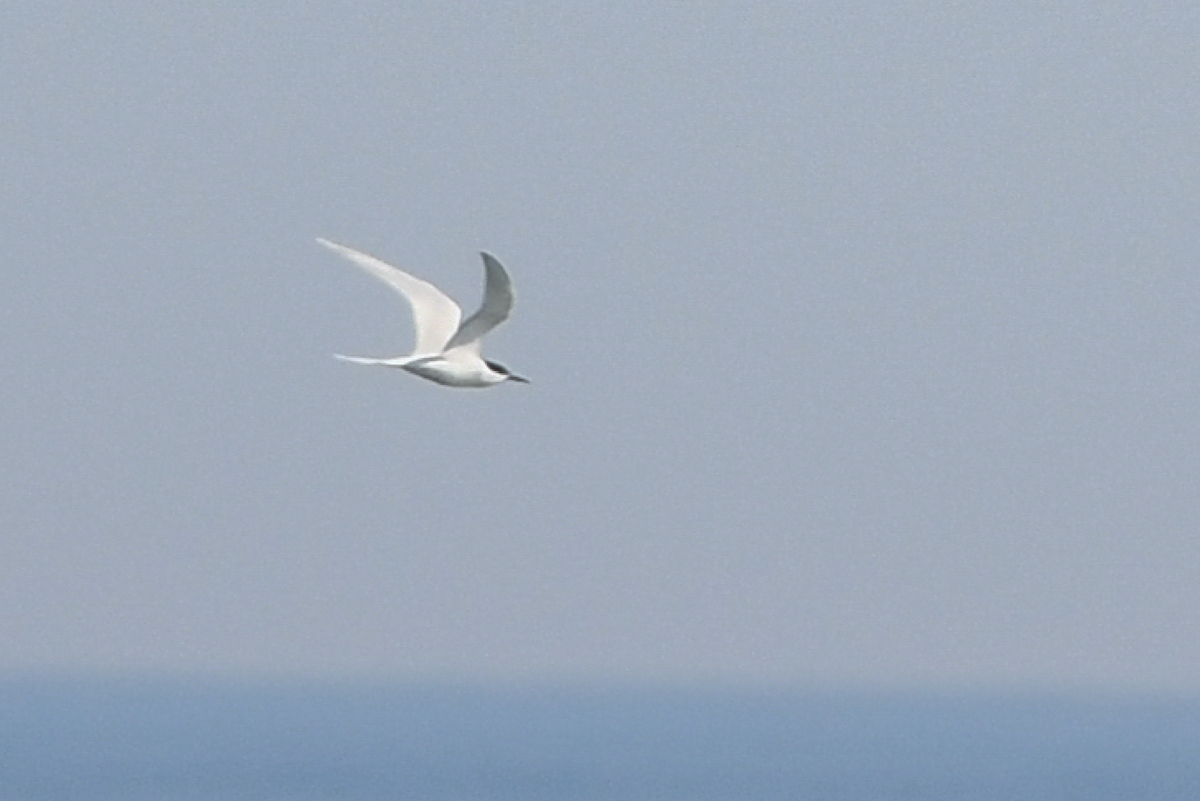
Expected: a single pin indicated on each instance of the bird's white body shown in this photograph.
(446, 351)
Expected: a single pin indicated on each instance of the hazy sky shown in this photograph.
(865, 341)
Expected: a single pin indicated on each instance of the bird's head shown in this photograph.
(509, 375)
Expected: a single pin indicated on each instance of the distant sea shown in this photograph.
(159, 740)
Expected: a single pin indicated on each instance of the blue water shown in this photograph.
(174, 741)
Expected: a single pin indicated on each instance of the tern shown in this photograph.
(446, 351)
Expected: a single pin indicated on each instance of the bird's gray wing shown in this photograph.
(497, 303)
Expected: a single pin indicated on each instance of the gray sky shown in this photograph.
(864, 341)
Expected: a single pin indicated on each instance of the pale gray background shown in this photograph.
(865, 341)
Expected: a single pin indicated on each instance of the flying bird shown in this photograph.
(446, 351)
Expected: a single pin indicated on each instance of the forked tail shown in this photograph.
(396, 361)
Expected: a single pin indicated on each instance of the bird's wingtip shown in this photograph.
(334, 246)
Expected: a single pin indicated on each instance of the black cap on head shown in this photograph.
(502, 370)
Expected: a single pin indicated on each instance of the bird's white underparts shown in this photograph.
(446, 350)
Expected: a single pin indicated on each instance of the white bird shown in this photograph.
(445, 351)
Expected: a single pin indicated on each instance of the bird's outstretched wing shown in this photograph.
(497, 304)
(435, 316)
